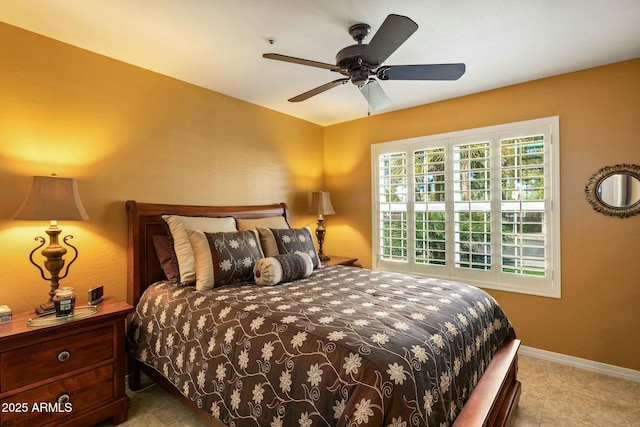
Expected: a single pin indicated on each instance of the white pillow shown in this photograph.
(178, 225)
(263, 225)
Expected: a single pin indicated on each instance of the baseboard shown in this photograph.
(576, 362)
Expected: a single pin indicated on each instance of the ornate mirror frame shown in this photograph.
(593, 191)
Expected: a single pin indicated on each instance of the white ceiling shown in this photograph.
(218, 44)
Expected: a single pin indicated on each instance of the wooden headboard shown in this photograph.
(145, 221)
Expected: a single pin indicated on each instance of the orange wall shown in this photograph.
(127, 133)
(597, 317)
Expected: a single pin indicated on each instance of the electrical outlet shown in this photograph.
(95, 295)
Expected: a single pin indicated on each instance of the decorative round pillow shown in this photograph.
(282, 268)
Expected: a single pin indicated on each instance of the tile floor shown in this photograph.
(552, 395)
(560, 395)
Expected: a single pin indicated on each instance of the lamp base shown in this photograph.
(45, 308)
(323, 257)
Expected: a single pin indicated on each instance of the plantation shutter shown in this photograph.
(472, 205)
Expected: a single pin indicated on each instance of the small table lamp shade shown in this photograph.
(52, 198)
(321, 204)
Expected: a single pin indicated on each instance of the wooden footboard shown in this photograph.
(497, 394)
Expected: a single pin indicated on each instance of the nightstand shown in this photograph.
(71, 374)
(339, 260)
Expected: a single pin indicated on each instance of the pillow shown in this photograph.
(178, 226)
(168, 261)
(263, 225)
(268, 222)
(268, 242)
(233, 256)
(202, 258)
(282, 268)
(296, 240)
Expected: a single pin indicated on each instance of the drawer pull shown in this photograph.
(63, 398)
(64, 355)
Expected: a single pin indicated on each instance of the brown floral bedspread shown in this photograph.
(343, 347)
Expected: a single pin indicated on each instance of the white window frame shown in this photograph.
(549, 285)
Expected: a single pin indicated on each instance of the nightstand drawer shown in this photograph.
(33, 363)
(44, 405)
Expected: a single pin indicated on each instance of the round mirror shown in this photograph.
(619, 190)
(615, 190)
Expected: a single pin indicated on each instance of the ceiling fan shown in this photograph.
(361, 63)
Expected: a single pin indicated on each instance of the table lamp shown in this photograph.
(321, 205)
(51, 199)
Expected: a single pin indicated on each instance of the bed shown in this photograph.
(344, 346)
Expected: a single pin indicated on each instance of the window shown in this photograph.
(480, 206)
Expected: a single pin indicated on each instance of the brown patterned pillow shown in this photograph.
(296, 240)
(233, 255)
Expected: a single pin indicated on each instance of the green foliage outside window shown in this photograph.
(522, 175)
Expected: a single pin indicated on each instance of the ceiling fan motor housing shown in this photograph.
(350, 62)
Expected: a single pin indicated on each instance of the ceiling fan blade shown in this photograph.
(394, 31)
(301, 61)
(318, 90)
(375, 95)
(421, 72)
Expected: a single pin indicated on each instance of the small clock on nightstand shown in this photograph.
(339, 260)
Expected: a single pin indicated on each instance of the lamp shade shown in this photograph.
(52, 198)
(321, 204)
